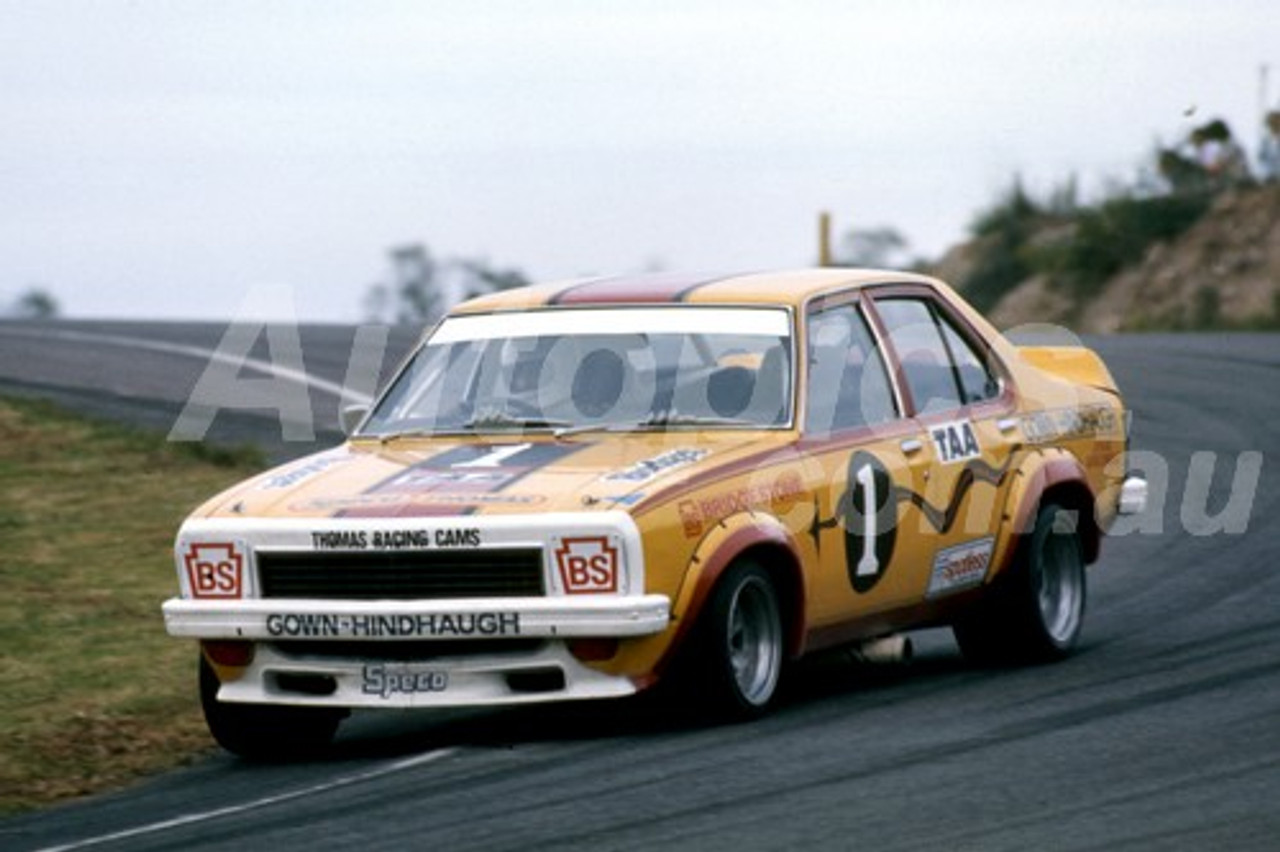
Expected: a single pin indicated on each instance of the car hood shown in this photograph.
(489, 475)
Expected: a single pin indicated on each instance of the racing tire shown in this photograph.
(1034, 614)
(265, 732)
(739, 648)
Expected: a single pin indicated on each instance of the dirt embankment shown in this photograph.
(1222, 272)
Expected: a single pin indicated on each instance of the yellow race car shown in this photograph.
(578, 490)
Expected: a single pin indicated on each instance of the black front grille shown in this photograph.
(402, 575)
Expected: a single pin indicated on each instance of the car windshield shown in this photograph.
(595, 368)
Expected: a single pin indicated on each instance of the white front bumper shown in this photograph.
(282, 619)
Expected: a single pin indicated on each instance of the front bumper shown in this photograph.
(407, 654)
(277, 619)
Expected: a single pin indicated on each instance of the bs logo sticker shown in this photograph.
(588, 565)
(870, 515)
(214, 570)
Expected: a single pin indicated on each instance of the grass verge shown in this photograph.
(93, 693)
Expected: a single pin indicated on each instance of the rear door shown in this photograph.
(958, 397)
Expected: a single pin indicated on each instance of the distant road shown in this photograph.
(144, 373)
(1162, 733)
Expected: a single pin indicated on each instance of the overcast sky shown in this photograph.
(163, 159)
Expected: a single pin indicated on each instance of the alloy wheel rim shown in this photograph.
(1060, 593)
(755, 642)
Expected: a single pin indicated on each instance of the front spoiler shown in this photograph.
(279, 671)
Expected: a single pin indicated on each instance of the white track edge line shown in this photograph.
(197, 352)
(266, 801)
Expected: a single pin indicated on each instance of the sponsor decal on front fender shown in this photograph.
(292, 475)
(699, 513)
(646, 469)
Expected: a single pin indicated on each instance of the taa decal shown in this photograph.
(214, 570)
(961, 567)
(955, 441)
(588, 565)
(870, 509)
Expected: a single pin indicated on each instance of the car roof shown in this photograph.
(791, 287)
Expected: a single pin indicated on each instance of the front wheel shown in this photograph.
(740, 644)
(1035, 614)
(264, 731)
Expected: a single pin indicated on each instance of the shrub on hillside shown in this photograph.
(1003, 231)
(1117, 234)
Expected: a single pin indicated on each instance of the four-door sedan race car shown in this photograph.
(577, 490)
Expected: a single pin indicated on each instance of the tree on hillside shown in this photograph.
(1003, 229)
(422, 289)
(880, 247)
(36, 304)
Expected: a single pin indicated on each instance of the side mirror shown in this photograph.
(351, 417)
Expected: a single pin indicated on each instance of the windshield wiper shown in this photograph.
(656, 421)
(420, 433)
(673, 418)
(506, 420)
(485, 422)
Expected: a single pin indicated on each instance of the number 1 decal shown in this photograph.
(868, 565)
(869, 512)
(495, 457)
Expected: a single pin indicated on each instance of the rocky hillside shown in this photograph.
(1212, 266)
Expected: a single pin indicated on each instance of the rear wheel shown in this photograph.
(1035, 614)
(740, 645)
(264, 731)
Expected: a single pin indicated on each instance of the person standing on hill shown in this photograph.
(1219, 154)
(1269, 151)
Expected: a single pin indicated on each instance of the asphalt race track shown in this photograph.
(1163, 732)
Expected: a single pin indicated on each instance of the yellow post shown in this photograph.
(824, 238)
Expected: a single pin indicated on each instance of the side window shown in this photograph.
(926, 362)
(976, 381)
(848, 383)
